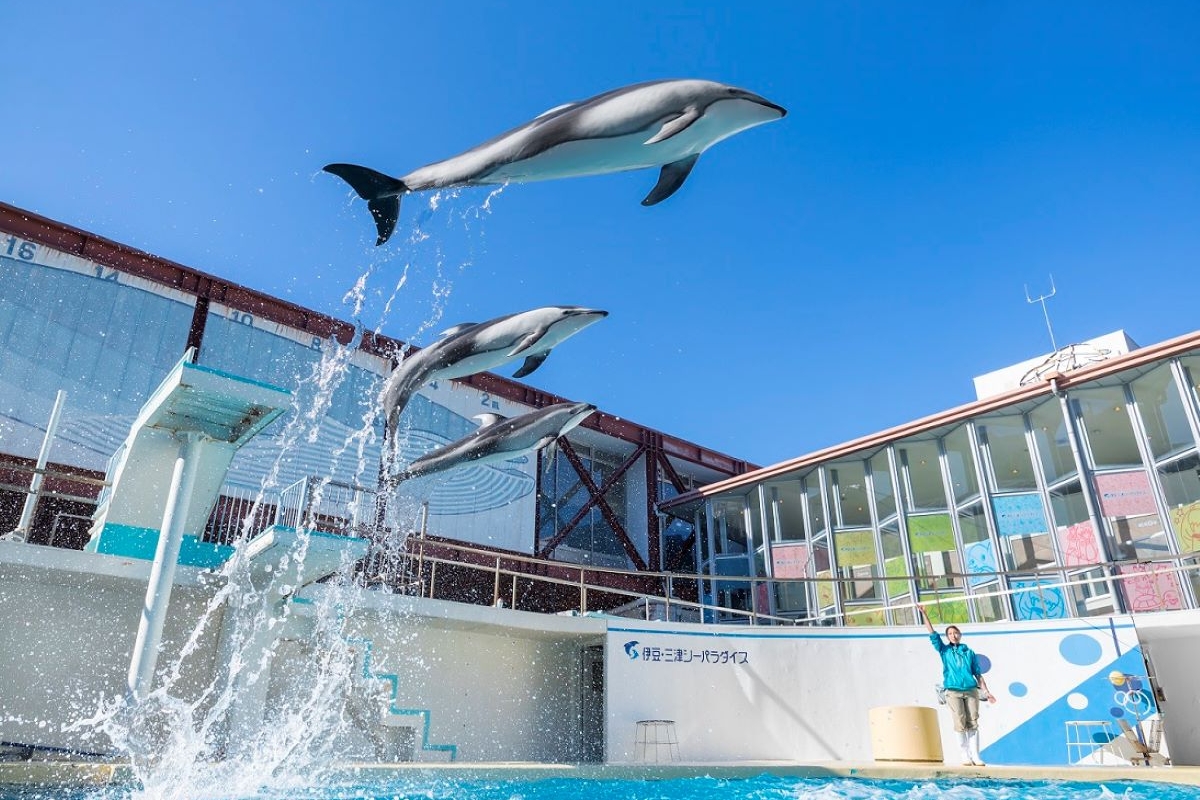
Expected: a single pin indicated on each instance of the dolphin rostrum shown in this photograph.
(481, 346)
(499, 439)
(664, 124)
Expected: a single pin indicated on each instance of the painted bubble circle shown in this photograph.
(1018, 689)
(1079, 649)
(1077, 701)
(985, 663)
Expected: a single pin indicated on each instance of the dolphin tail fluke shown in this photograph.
(382, 193)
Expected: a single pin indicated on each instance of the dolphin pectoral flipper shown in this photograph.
(670, 179)
(382, 193)
(676, 125)
(527, 341)
(531, 363)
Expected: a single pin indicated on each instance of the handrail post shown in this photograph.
(582, 593)
(753, 602)
(667, 603)
(496, 583)
(433, 578)
(514, 591)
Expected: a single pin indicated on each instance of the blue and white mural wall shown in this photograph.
(805, 694)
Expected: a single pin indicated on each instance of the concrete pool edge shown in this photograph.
(84, 774)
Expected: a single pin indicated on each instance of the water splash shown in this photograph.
(192, 736)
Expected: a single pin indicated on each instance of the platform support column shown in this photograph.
(162, 573)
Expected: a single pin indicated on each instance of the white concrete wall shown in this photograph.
(1172, 643)
(499, 685)
(805, 694)
(68, 621)
(505, 685)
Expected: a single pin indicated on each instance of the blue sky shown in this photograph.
(817, 279)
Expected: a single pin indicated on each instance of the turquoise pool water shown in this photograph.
(703, 788)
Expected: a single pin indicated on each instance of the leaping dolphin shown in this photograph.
(481, 346)
(499, 439)
(664, 124)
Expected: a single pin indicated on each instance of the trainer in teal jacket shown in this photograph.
(962, 678)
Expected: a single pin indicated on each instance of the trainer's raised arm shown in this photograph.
(924, 617)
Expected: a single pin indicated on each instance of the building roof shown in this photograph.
(1144, 357)
(209, 288)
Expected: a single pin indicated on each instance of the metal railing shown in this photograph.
(328, 506)
(239, 514)
(425, 559)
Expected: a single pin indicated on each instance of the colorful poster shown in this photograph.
(1186, 521)
(1078, 544)
(1147, 587)
(824, 591)
(865, 616)
(946, 609)
(789, 560)
(930, 533)
(1124, 494)
(1037, 600)
(896, 568)
(854, 548)
(981, 558)
(1019, 514)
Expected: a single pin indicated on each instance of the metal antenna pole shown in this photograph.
(1042, 299)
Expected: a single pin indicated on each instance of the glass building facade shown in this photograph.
(105, 324)
(1075, 496)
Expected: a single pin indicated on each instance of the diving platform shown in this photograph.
(199, 416)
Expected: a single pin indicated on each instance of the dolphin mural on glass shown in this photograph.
(481, 346)
(499, 439)
(666, 124)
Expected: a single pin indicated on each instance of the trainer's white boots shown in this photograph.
(972, 748)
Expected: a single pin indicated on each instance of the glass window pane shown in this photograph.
(1106, 426)
(1161, 408)
(1181, 487)
(816, 514)
(1004, 440)
(787, 504)
(1077, 540)
(1131, 515)
(1091, 593)
(920, 464)
(935, 556)
(885, 492)
(1053, 445)
(848, 494)
(894, 565)
(730, 528)
(961, 461)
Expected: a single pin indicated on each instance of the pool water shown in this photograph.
(764, 787)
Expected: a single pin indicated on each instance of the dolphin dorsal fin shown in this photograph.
(676, 125)
(556, 109)
(488, 419)
(458, 328)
